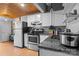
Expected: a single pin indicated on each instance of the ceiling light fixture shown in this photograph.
(6, 19)
(38, 15)
(22, 4)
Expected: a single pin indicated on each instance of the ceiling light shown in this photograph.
(38, 15)
(6, 19)
(22, 4)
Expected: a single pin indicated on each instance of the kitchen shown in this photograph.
(45, 29)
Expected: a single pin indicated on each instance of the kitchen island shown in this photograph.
(53, 47)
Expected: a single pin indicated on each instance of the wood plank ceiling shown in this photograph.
(14, 10)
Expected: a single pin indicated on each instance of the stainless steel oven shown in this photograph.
(33, 39)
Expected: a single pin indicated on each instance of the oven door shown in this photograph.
(33, 39)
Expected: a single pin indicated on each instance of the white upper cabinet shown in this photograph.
(45, 19)
(30, 19)
(24, 18)
(58, 20)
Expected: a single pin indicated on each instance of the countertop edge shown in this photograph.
(56, 50)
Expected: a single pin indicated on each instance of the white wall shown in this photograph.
(5, 29)
(76, 7)
(74, 26)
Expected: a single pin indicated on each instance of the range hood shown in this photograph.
(51, 12)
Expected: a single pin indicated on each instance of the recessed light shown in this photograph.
(38, 15)
(22, 4)
(6, 19)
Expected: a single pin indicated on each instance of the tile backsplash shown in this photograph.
(59, 28)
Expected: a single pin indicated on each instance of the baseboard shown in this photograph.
(32, 50)
(25, 47)
(18, 47)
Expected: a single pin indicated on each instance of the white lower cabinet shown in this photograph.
(26, 40)
(47, 52)
(33, 47)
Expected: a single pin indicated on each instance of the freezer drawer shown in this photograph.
(18, 38)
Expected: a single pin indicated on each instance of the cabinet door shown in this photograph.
(30, 19)
(18, 38)
(58, 20)
(45, 19)
(42, 17)
(45, 52)
(25, 40)
(24, 18)
(35, 17)
(18, 24)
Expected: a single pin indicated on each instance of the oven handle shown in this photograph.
(38, 39)
(32, 43)
(32, 36)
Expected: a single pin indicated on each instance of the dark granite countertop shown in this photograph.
(54, 45)
(45, 33)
